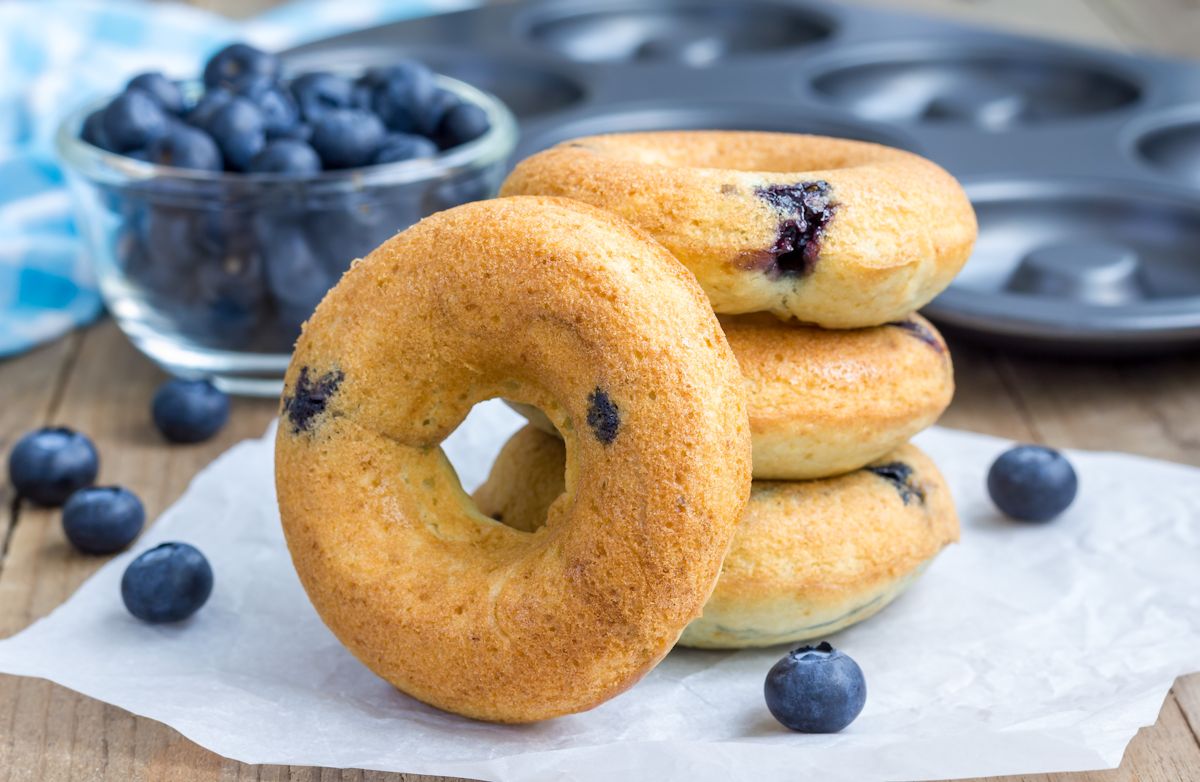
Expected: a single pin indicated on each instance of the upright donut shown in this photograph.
(558, 305)
(840, 234)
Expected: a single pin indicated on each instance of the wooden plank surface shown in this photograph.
(96, 381)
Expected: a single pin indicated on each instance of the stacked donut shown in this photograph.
(815, 253)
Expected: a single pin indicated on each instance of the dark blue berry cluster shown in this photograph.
(249, 119)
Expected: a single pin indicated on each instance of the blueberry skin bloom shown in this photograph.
(462, 123)
(286, 156)
(162, 89)
(398, 147)
(240, 131)
(815, 689)
(189, 411)
(318, 93)
(133, 120)
(168, 583)
(239, 61)
(48, 465)
(347, 138)
(1032, 483)
(186, 147)
(102, 519)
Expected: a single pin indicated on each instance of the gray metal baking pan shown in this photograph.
(1083, 165)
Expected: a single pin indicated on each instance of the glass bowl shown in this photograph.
(211, 274)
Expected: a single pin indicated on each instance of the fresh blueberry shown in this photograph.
(1032, 483)
(462, 123)
(238, 61)
(398, 147)
(295, 276)
(162, 89)
(168, 583)
(347, 138)
(142, 154)
(431, 113)
(301, 131)
(286, 156)
(93, 130)
(278, 109)
(102, 519)
(189, 411)
(400, 93)
(318, 93)
(47, 465)
(239, 131)
(202, 113)
(339, 235)
(186, 147)
(133, 120)
(815, 689)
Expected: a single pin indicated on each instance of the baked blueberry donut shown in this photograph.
(561, 306)
(826, 402)
(840, 234)
(809, 557)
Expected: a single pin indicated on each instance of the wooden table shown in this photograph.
(95, 381)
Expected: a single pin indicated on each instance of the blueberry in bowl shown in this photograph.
(217, 211)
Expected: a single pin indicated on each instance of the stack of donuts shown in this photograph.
(815, 253)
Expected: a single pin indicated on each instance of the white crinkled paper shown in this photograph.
(1024, 648)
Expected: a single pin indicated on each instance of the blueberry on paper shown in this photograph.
(286, 156)
(1032, 483)
(168, 583)
(239, 130)
(184, 146)
(102, 519)
(189, 411)
(318, 93)
(398, 147)
(48, 465)
(237, 62)
(133, 120)
(815, 689)
(166, 92)
(347, 138)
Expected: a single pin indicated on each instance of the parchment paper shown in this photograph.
(1023, 649)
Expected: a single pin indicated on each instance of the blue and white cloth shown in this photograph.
(57, 54)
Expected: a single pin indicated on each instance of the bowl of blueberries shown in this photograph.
(217, 212)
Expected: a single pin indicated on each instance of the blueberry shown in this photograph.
(102, 519)
(133, 120)
(93, 130)
(189, 411)
(301, 131)
(47, 465)
(431, 113)
(202, 113)
(1032, 483)
(399, 94)
(397, 147)
(239, 131)
(163, 90)
(168, 583)
(815, 689)
(318, 93)
(462, 123)
(295, 275)
(186, 147)
(238, 61)
(278, 109)
(347, 138)
(286, 156)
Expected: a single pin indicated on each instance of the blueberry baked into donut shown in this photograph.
(830, 232)
(809, 557)
(555, 304)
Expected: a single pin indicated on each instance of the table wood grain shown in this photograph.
(95, 381)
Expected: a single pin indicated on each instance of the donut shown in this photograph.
(558, 305)
(809, 557)
(836, 233)
(826, 402)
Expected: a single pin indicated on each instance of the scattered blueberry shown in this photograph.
(400, 92)
(347, 138)
(398, 147)
(202, 113)
(1032, 483)
(318, 93)
(163, 90)
(133, 120)
(168, 583)
(815, 689)
(237, 62)
(93, 130)
(189, 411)
(239, 131)
(186, 147)
(462, 123)
(279, 110)
(48, 465)
(286, 156)
(102, 519)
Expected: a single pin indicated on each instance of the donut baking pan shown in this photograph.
(1084, 165)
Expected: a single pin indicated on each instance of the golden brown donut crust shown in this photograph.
(809, 557)
(552, 303)
(873, 232)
